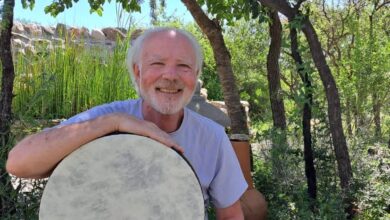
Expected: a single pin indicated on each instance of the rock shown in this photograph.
(21, 37)
(85, 32)
(200, 105)
(41, 43)
(20, 50)
(61, 29)
(123, 30)
(113, 34)
(47, 31)
(18, 27)
(98, 35)
(134, 35)
(30, 49)
(57, 41)
(203, 93)
(33, 30)
(74, 33)
(17, 43)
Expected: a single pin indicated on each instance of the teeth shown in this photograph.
(169, 90)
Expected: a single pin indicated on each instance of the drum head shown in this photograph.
(122, 177)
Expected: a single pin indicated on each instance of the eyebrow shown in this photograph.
(183, 61)
(159, 58)
(154, 57)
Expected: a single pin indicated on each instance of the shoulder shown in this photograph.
(117, 105)
(209, 132)
(201, 122)
(126, 106)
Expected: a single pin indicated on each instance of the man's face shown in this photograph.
(166, 72)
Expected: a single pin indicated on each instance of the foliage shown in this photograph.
(372, 181)
(248, 49)
(96, 6)
(20, 197)
(227, 10)
(284, 185)
(359, 53)
(63, 82)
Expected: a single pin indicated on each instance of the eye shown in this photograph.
(157, 63)
(183, 65)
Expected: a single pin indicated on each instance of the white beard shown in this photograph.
(163, 103)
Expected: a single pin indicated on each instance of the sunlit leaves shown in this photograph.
(96, 6)
(28, 4)
(228, 10)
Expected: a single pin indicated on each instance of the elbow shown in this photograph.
(13, 165)
(18, 165)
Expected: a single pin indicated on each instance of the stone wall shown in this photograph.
(29, 37)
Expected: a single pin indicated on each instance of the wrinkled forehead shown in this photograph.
(163, 42)
(167, 35)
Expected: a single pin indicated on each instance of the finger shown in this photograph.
(172, 144)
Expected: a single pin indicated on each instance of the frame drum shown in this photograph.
(123, 177)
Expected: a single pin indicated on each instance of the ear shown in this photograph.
(137, 72)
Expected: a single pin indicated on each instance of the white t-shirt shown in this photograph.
(206, 146)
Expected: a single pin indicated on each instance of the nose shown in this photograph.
(170, 72)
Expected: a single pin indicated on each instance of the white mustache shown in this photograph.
(168, 84)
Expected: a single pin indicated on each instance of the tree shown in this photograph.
(376, 102)
(354, 39)
(212, 29)
(8, 75)
(273, 72)
(306, 116)
(279, 135)
(331, 91)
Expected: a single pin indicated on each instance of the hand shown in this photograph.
(131, 124)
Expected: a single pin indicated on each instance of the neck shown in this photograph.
(167, 123)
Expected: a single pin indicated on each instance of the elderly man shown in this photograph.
(164, 64)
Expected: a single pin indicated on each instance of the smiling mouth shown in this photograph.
(169, 91)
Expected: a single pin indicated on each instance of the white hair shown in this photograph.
(136, 47)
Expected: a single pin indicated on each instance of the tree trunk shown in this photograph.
(273, 72)
(279, 136)
(213, 31)
(334, 109)
(8, 75)
(7, 82)
(306, 118)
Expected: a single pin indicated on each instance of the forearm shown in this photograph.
(38, 154)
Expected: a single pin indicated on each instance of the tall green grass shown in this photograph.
(64, 81)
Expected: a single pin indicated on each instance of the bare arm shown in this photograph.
(37, 155)
(233, 212)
